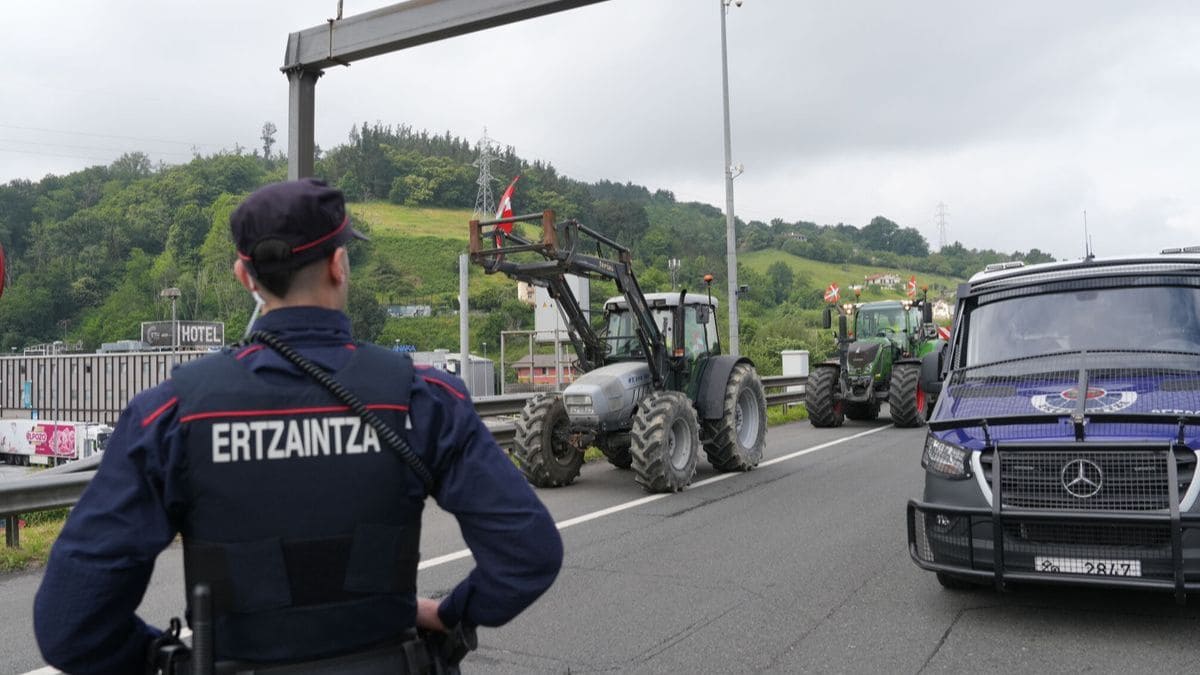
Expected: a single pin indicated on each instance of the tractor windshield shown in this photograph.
(1142, 318)
(620, 331)
(879, 321)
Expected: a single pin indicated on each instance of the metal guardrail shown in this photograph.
(62, 485)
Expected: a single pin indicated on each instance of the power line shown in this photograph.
(57, 154)
(86, 133)
(90, 147)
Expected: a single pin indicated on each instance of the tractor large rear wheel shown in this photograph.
(666, 442)
(736, 440)
(543, 447)
(824, 410)
(905, 397)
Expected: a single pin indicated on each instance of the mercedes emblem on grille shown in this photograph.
(1082, 478)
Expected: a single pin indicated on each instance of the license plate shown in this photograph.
(1089, 566)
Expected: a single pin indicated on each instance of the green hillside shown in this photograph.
(822, 273)
(387, 219)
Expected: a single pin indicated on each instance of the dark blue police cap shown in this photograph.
(306, 216)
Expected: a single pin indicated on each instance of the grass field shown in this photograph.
(388, 220)
(822, 273)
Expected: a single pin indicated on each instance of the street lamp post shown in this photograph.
(730, 235)
(172, 293)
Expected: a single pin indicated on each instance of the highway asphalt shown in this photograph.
(798, 566)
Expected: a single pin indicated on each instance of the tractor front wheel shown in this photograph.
(905, 397)
(736, 440)
(666, 442)
(543, 448)
(820, 397)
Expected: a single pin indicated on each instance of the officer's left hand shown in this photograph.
(427, 615)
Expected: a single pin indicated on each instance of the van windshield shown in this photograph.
(1150, 318)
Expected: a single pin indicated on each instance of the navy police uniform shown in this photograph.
(272, 496)
(301, 520)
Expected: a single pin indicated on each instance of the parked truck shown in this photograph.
(50, 443)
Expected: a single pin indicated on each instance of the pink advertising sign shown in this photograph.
(54, 440)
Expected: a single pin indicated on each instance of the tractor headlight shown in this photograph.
(579, 404)
(945, 459)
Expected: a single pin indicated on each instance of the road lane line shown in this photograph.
(588, 517)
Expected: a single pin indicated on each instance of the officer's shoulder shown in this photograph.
(439, 383)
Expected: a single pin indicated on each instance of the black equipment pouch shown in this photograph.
(167, 654)
(448, 649)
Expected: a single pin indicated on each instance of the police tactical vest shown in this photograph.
(305, 526)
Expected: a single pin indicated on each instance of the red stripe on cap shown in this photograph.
(285, 411)
(345, 222)
(161, 409)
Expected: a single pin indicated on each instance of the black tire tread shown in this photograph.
(819, 397)
(722, 448)
(534, 459)
(653, 419)
(902, 395)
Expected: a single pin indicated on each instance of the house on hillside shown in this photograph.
(942, 311)
(886, 279)
(409, 311)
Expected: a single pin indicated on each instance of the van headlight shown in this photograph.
(578, 404)
(945, 459)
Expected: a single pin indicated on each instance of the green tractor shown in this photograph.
(879, 360)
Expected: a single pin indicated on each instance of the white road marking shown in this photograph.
(587, 517)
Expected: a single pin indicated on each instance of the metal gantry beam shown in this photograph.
(384, 30)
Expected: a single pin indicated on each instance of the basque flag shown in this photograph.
(832, 293)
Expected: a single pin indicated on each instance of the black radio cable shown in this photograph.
(389, 436)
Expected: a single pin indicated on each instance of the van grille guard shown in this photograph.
(982, 543)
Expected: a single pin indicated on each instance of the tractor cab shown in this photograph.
(696, 314)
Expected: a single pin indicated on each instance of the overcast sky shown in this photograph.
(1019, 116)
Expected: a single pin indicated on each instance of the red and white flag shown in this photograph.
(504, 208)
(912, 286)
(832, 293)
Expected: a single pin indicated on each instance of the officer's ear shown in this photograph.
(339, 266)
(244, 277)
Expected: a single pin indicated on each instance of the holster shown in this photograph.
(448, 649)
(167, 654)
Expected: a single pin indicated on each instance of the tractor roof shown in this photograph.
(661, 300)
(880, 304)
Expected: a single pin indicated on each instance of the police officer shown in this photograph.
(300, 516)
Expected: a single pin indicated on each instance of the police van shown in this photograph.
(1065, 437)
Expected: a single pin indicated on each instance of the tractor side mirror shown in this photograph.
(842, 325)
(827, 318)
(702, 314)
(926, 313)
